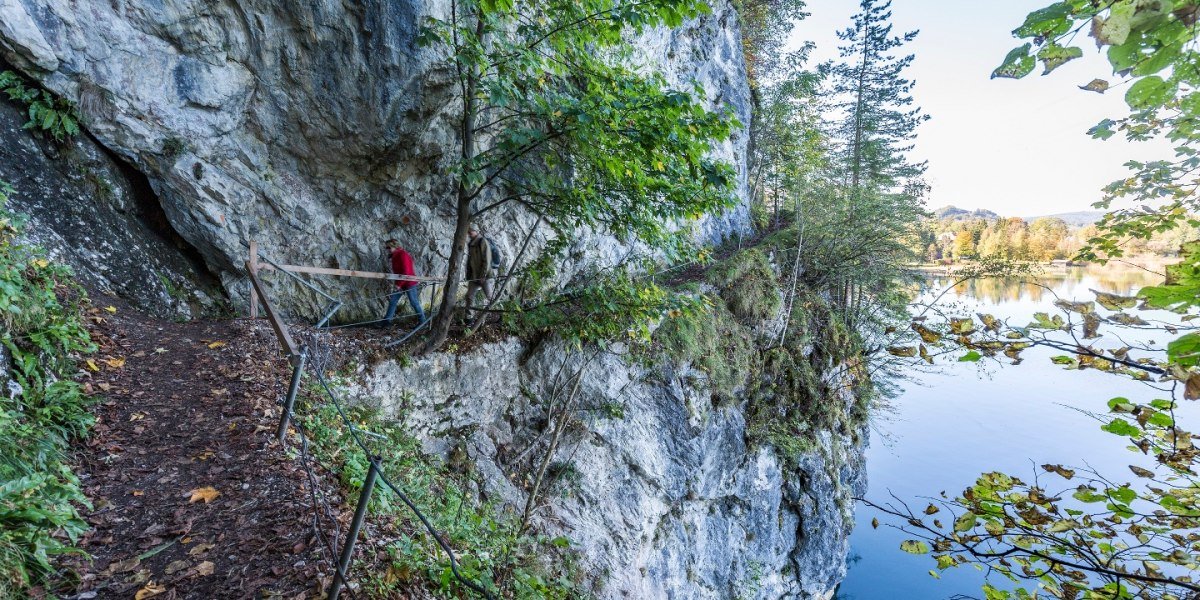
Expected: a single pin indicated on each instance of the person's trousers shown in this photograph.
(473, 288)
(414, 299)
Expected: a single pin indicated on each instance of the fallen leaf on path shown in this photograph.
(115, 363)
(91, 364)
(177, 565)
(215, 345)
(160, 350)
(205, 494)
(199, 549)
(151, 590)
(111, 309)
(137, 416)
(124, 565)
(205, 568)
(137, 492)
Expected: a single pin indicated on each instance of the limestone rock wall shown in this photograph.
(665, 500)
(93, 213)
(317, 128)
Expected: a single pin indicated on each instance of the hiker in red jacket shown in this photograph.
(402, 264)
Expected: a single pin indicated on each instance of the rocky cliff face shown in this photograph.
(318, 129)
(92, 212)
(654, 483)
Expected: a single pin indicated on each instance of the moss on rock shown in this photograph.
(713, 341)
(748, 284)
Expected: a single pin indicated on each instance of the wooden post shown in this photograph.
(253, 264)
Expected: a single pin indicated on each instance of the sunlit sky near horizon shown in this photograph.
(1016, 147)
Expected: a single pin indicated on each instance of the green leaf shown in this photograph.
(971, 356)
(914, 547)
(1122, 427)
(965, 522)
(1054, 56)
(1149, 92)
(1052, 21)
(1115, 29)
(1017, 64)
(1185, 350)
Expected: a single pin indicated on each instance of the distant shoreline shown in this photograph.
(1151, 262)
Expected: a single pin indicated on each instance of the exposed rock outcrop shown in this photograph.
(98, 216)
(658, 489)
(318, 129)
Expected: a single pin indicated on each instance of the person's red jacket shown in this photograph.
(402, 264)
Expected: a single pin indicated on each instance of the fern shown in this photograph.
(48, 113)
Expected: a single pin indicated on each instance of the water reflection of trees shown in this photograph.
(1066, 283)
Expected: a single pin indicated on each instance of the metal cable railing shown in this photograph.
(321, 354)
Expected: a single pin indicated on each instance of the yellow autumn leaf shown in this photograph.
(215, 345)
(205, 494)
(111, 309)
(41, 263)
(149, 591)
(91, 364)
(115, 363)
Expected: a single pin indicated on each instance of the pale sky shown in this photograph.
(1016, 147)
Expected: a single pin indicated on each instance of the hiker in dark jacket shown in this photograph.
(401, 263)
(480, 267)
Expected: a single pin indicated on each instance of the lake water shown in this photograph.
(963, 419)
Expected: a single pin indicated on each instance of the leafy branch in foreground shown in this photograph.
(1151, 47)
(1075, 532)
(41, 410)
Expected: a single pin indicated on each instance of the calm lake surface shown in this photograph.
(963, 419)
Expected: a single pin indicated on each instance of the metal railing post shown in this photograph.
(360, 513)
(293, 388)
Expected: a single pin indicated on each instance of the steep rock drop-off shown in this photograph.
(664, 496)
(319, 129)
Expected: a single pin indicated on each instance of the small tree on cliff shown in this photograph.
(876, 191)
(556, 116)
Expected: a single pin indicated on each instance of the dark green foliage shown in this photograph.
(41, 328)
(608, 307)
(558, 117)
(47, 112)
(790, 400)
(880, 121)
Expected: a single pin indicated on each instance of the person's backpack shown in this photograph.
(497, 256)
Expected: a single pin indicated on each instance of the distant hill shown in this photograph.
(1078, 218)
(962, 214)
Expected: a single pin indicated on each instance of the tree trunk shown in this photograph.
(440, 329)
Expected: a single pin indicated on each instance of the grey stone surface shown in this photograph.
(90, 213)
(318, 128)
(666, 500)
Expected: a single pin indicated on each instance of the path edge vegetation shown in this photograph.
(42, 411)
